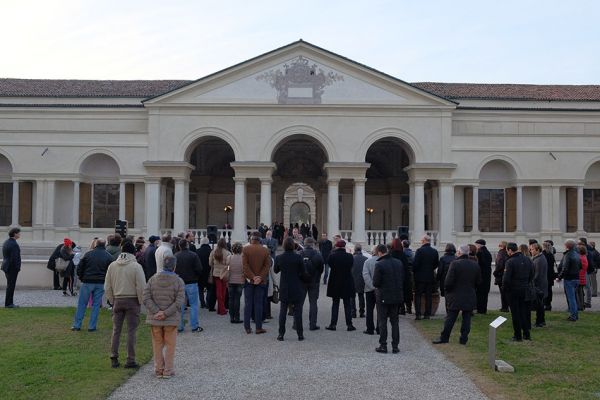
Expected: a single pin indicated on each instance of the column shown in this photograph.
(179, 206)
(446, 212)
(15, 203)
(333, 205)
(519, 208)
(265, 201)
(239, 212)
(419, 211)
(50, 186)
(579, 208)
(75, 210)
(153, 206)
(556, 209)
(411, 207)
(186, 205)
(38, 214)
(475, 221)
(122, 201)
(359, 234)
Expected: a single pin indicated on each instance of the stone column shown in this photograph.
(446, 212)
(411, 207)
(179, 206)
(153, 206)
(556, 209)
(265, 201)
(579, 208)
(239, 212)
(519, 208)
(50, 186)
(359, 234)
(122, 201)
(15, 203)
(475, 221)
(75, 222)
(333, 204)
(419, 211)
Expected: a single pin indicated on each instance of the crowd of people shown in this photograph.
(170, 275)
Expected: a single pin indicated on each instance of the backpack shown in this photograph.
(308, 270)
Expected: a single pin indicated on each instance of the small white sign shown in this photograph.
(497, 322)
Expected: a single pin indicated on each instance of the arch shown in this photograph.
(6, 166)
(592, 174)
(281, 137)
(190, 141)
(507, 162)
(409, 143)
(300, 207)
(299, 193)
(104, 157)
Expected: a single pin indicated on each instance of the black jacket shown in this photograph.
(94, 264)
(204, 254)
(551, 261)
(484, 259)
(149, 262)
(501, 258)
(340, 284)
(325, 248)
(518, 272)
(291, 287)
(357, 268)
(317, 263)
(442, 271)
(570, 265)
(188, 266)
(463, 276)
(426, 261)
(388, 279)
(11, 255)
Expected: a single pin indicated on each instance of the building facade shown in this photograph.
(299, 134)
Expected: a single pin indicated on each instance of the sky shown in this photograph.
(541, 42)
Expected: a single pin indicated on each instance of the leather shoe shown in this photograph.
(280, 338)
(439, 341)
(417, 318)
(300, 338)
(381, 349)
(248, 331)
(11, 306)
(367, 332)
(395, 350)
(330, 328)
(351, 328)
(463, 342)
(259, 331)
(114, 362)
(314, 328)
(131, 365)
(516, 339)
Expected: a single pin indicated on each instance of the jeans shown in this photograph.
(96, 290)
(326, 273)
(570, 289)
(335, 309)
(391, 311)
(11, 283)
(125, 308)
(297, 317)
(191, 297)
(254, 302)
(465, 327)
(235, 293)
(313, 297)
(370, 300)
(426, 289)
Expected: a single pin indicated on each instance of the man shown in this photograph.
(425, 263)
(368, 271)
(341, 284)
(484, 259)
(256, 262)
(501, 258)
(11, 265)
(408, 282)
(325, 247)
(568, 270)
(540, 280)
(211, 296)
(518, 275)
(92, 273)
(150, 257)
(359, 283)
(462, 280)
(189, 269)
(594, 281)
(270, 242)
(191, 239)
(388, 279)
(312, 288)
(124, 288)
(165, 249)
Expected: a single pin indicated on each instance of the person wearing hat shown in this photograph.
(484, 259)
(341, 284)
(66, 253)
(150, 257)
(124, 289)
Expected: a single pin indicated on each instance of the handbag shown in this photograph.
(60, 265)
(225, 273)
(275, 297)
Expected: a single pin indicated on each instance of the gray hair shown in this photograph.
(204, 240)
(464, 249)
(570, 243)
(309, 242)
(426, 239)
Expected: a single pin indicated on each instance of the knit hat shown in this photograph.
(480, 241)
(170, 263)
(340, 243)
(68, 242)
(128, 247)
(153, 238)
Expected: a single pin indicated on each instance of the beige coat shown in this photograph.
(124, 279)
(217, 266)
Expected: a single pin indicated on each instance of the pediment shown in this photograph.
(300, 74)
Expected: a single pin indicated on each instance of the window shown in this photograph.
(491, 210)
(106, 205)
(591, 210)
(6, 203)
(25, 203)
(571, 209)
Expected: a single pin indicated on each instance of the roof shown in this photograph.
(150, 88)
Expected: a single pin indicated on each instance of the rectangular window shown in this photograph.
(571, 209)
(491, 210)
(511, 209)
(468, 202)
(85, 205)
(106, 205)
(591, 210)
(130, 204)
(25, 203)
(6, 189)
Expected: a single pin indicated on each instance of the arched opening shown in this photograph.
(99, 192)
(6, 191)
(591, 199)
(497, 207)
(300, 214)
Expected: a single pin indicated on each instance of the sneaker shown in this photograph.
(198, 330)
(167, 376)
(75, 329)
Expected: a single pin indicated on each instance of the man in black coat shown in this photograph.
(462, 279)
(518, 275)
(325, 247)
(11, 265)
(501, 258)
(150, 258)
(425, 263)
(313, 287)
(341, 284)
(388, 280)
(359, 282)
(484, 259)
(211, 297)
(189, 270)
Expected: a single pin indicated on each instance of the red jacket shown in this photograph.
(583, 270)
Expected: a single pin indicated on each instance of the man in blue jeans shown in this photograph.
(568, 270)
(256, 261)
(92, 273)
(189, 269)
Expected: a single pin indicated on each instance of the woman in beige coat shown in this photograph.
(218, 263)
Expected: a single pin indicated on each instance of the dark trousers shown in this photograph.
(385, 312)
(11, 283)
(548, 299)
(504, 301)
(520, 311)
(465, 327)
(335, 309)
(370, 300)
(254, 302)
(540, 313)
(125, 308)
(56, 280)
(313, 297)
(201, 288)
(420, 289)
(297, 317)
(211, 296)
(235, 293)
(580, 297)
(482, 292)
(361, 304)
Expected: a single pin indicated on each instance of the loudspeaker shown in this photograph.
(403, 232)
(121, 227)
(212, 233)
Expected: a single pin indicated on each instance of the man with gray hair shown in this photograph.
(569, 271)
(425, 263)
(315, 265)
(462, 279)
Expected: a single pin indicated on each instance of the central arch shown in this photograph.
(301, 198)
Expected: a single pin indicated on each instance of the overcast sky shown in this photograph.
(545, 42)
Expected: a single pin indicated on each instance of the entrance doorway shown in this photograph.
(299, 205)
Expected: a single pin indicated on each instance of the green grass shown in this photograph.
(42, 359)
(561, 362)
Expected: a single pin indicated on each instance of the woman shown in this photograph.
(218, 262)
(445, 261)
(524, 249)
(397, 252)
(67, 254)
(236, 282)
(472, 252)
(548, 252)
(540, 275)
(291, 289)
(582, 276)
(164, 296)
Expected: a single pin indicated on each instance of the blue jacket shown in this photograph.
(11, 255)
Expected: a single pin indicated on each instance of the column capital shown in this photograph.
(265, 180)
(152, 179)
(360, 181)
(333, 181)
(420, 182)
(239, 179)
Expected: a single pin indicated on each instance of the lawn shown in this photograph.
(43, 359)
(561, 362)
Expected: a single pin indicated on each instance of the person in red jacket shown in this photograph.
(582, 276)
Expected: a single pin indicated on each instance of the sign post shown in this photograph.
(497, 365)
